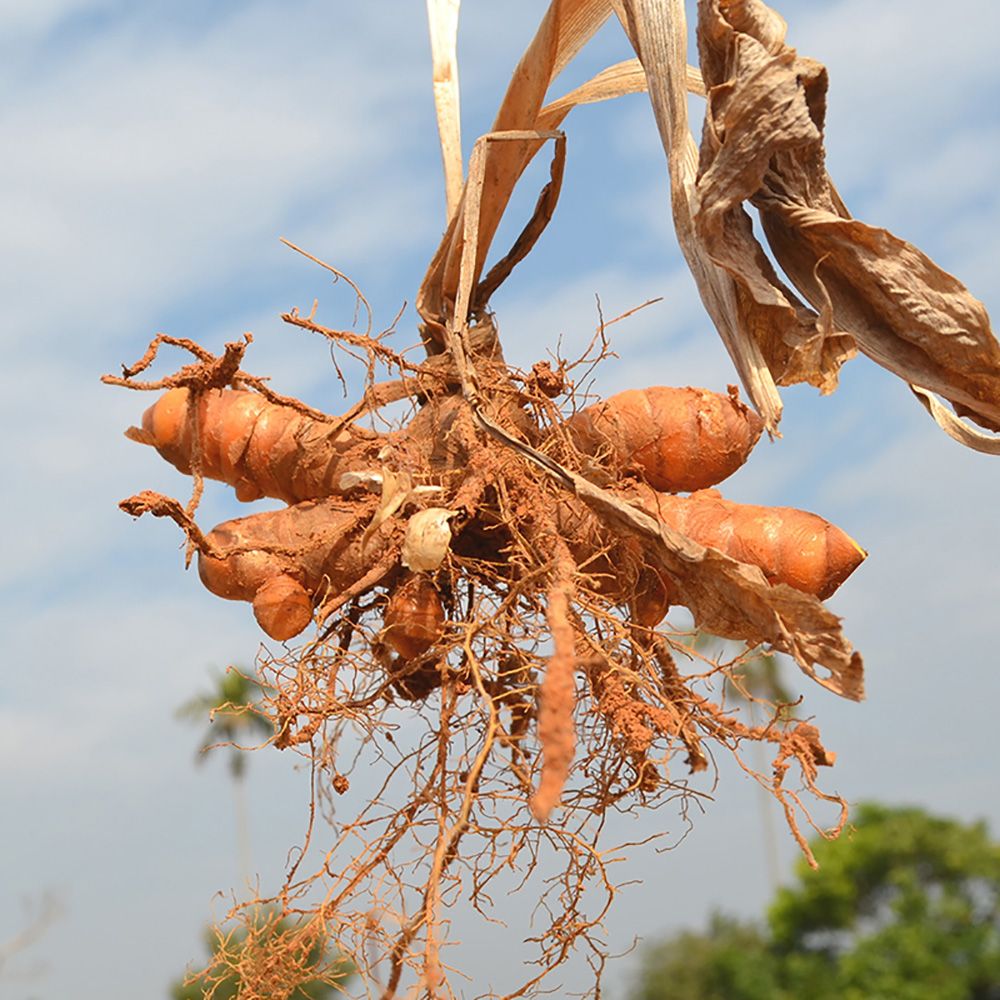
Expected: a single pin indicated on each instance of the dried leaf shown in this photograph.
(733, 599)
(473, 207)
(955, 428)
(744, 128)
(619, 80)
(565, 28)
(396, 491)
(366, 479)
(544, 209)
(658, 32)
(442, 16)
(763, 143)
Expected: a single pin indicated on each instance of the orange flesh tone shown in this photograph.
(677, 439)
(790, 546)
(282, 607)
(317, 543)
(414, 618)
(258, 447)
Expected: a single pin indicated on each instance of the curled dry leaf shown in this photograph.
(365, 479)
(427, 540)
(763, 143)
(988, 444)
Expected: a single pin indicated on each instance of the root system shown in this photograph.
(483, 640)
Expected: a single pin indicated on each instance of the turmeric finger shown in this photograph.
(258, 447)
(281, 560)
(791, 546)
(676, 439)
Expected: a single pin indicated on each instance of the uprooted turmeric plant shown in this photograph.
(497, 567)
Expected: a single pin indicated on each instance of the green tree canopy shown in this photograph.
(904, 907)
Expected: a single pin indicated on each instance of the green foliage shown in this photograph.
(234, 719)
(730, 960)
(906, 906)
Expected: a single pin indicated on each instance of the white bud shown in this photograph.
(428, 538)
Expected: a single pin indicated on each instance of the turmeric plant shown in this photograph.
(497, 565)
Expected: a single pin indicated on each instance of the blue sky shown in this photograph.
(155, 152)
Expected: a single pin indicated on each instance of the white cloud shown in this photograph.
(900, 73)
(953, 177)
(21, 22)
(151, 167)
(130, 664)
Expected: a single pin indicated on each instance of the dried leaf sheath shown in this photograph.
(658, 33)
(442, 17)
(619, 80)
(744, 128)
(565, 28)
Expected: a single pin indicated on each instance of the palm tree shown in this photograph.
(236, 723)
(759, 679)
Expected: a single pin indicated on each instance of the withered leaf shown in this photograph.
(733, 599)
(658, 33)
(442, 16)
(396, 490)
(763, 143)
(565, 28)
